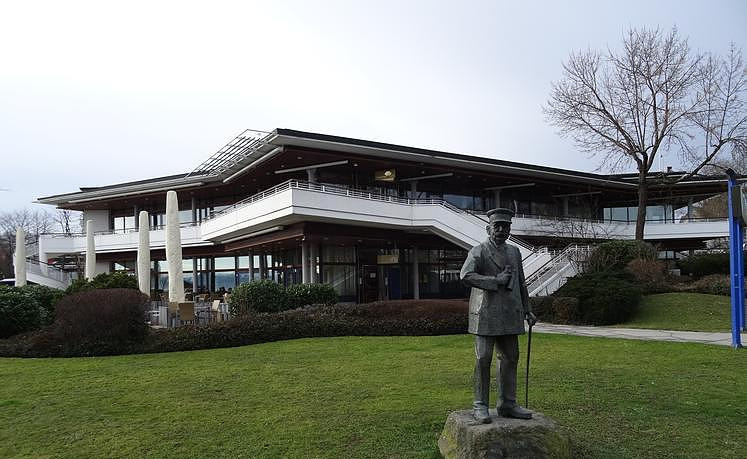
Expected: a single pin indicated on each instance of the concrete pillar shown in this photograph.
(174, 248)
(90, 251)
(415, 274)
(194, 209)
(262, 265)
(251, 266)
(414, 189)
(143, 253)
(136, 214)
(311, 174)
(565, 206)
(19, 259)
(496, 199)
(305, 262)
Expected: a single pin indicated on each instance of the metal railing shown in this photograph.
(43, 269)
(118, 231)
(551, 273)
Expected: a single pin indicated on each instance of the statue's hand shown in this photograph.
(531, 318)
(504, 278)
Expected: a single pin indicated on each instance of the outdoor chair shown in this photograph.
(187, 312)
(173, 309)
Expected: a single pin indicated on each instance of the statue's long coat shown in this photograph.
(493, 309)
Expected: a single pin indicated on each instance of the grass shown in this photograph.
(683, 311)
(367, 397)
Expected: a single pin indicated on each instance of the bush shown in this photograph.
(650, 275)
(566, 310)
(715, 284)
(705, 264)
(385, 318)
(542, 307)
(97, 322)
(117, 279)
(604, 298)
(615, 255)
(258, 296)
(300, 295)
(26, 308)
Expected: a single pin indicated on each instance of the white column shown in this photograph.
(415, 274)
(90, 251)
(174, 248)
(143, 253)
(19, 259)
(305, 262)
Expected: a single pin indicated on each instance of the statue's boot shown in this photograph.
(481, 414)
(513, 410)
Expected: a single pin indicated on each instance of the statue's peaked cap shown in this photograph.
(500, 215)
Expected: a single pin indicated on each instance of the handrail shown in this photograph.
(554, 260)
(119, 231)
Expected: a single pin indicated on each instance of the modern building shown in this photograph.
(375, 220)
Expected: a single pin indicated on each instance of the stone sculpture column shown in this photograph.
(19, 260)
(90, 251)
(143, 253)
(174, 248)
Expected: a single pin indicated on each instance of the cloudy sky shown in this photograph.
(94, 93)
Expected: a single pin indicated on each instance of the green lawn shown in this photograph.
(683, 311)
(367, 397)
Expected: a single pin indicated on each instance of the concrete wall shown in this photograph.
(100, 219)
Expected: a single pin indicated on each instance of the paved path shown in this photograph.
(720, 338)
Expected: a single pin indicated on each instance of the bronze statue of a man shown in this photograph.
(498, 305)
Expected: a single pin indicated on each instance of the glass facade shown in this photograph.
(661, 214)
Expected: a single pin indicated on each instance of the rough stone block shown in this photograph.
(539, 437)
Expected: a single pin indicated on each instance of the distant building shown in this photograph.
(375, 220)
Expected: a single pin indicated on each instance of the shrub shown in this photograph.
(615, 255)
(542, 307)
(385, 318)
(650, 275)
(565, 310)
(258, 296)
(26, 308)
(604, 298)
(19, 311)
(714, 284)
(96, 322)
(300, 295)
(117, 279)
(705, 264)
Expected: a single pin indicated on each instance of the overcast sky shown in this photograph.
(94, 93)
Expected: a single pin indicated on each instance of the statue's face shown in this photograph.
(499, 231)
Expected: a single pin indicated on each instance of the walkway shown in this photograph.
(720, 338)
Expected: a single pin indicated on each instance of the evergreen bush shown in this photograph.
(117, 279)
(258, 296)
(604, 298)
(300, 295)
(26, 308)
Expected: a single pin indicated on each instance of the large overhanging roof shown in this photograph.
(253, 147)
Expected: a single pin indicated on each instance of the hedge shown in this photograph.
(604, 298)
(390, 318)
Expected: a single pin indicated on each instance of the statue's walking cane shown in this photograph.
(529, 352)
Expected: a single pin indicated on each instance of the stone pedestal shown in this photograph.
(539, 437)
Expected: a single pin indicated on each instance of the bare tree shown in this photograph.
(67, 221)
(33, 222)
(648, 97)
(720, 122)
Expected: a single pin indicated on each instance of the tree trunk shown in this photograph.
(640, 221)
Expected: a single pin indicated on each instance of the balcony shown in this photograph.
(297, 201)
